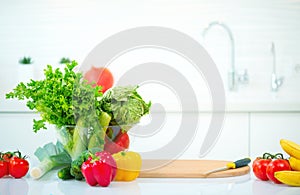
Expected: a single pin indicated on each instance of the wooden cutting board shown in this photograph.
(188, 169)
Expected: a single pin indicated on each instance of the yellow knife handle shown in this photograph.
(239, 163)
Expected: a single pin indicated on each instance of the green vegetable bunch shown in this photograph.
(80, 112)
(58, 97)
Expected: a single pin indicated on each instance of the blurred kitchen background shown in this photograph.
(261, 38)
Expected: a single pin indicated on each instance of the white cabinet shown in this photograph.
(243, 134)
(268, 128)
(17, 134)
(232, 142)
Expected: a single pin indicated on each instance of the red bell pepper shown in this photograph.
(107, 158)
(99, 169)
(87, 172)
(120, 143)
(102, 173)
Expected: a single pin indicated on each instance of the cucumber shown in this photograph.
(64, 173)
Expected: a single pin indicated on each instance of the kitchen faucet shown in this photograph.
(233, 77)
(275, 81)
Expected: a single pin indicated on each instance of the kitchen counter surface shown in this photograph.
(50, 185)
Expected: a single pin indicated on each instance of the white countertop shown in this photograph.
(51, 185)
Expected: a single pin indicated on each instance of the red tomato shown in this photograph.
(3, 168)
(6, 156)
(4, 163)
(277, 165)
(259, 168)
(101, 76)
(18, 167)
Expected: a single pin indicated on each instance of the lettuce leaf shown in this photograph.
(125, 105)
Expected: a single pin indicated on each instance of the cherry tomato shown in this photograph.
(6, 156)
(259, 168)
(3, 168)
(101, 76)
(4, 163)
(277, 165)
(18, 167)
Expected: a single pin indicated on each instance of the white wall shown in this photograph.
(49, 30)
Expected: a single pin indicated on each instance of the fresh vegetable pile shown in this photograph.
(13, 164)
(276, 168)
(86, 120)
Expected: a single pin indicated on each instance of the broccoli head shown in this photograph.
(76, 165)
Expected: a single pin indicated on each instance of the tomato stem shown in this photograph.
(17, 153)
(271, 156)
(278, 156)
(267, 156)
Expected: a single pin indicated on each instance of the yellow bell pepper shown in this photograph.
(128, 165)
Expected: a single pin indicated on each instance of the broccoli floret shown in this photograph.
(76, 165)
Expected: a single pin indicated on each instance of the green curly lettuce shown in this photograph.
(60, 98)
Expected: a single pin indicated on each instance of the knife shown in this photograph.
(231, 165)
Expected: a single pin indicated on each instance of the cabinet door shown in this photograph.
(17, 133)
(268, 129)
(232, 143)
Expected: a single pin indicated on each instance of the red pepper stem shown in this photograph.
(94, 157)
